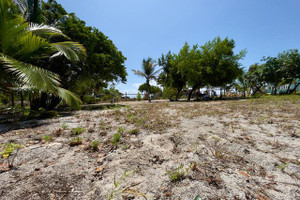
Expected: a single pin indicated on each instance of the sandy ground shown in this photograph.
(245, 149)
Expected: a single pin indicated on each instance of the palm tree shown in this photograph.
(148, 72)
(22, 44)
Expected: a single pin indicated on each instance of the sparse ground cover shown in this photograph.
(243, 149)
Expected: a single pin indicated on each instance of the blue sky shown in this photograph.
(148, 28)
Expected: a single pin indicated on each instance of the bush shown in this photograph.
(4, 99)
(139, 96)
(48, 114)
(77, 131)
(169, 93)
(90, 100)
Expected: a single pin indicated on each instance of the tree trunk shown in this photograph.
(289, 87)
(191, 92)
(294, 89)
(221, 93)
(12, 99)
(43, 100)
(148, 90)
(178, 93)
(274, 92)
(22, 99)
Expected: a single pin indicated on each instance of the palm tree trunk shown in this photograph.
(12, 99)
(22, 99)
(148, 90)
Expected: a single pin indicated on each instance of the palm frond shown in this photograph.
(156, 72)
(22, 6)
(71, 50)
(139, 73)
(69, 97)
(33, 76)
(45, 30)
(32, 45)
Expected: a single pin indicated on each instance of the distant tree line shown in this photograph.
(213, 64)
(274, 72)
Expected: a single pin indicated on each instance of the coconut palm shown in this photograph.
(22, 44)
(148, 72)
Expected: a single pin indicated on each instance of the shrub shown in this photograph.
(169, 93)
(75, 141)
(48, 114)
(139, 97)
(77, 131)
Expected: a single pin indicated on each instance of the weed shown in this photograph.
(10, 153)
(134, 131)
(217, 148)
(125, 147)
(117, 184)
(116, 138)
(75, 141)
(121, 130)
(282, 166)
(64, 126)
(95, 145)
(47, 138)
(77, 131)
(178, 174)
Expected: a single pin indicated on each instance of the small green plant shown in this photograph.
(139, 96)
(117, 189)
(77, 131)
(125, 147)
(197, 197)
(178, 174)
(47, 138)
(64, 126)
(10, 153)
(116, 138)
(95, 145)
(121, 130)
(75, 141)
(282, 166)
(135, 131)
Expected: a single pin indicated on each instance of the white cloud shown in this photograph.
(137, 85)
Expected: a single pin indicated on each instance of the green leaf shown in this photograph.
(197, 198)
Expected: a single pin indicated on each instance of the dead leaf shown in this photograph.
(260, 198)
(100, 169)
(244, 173)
